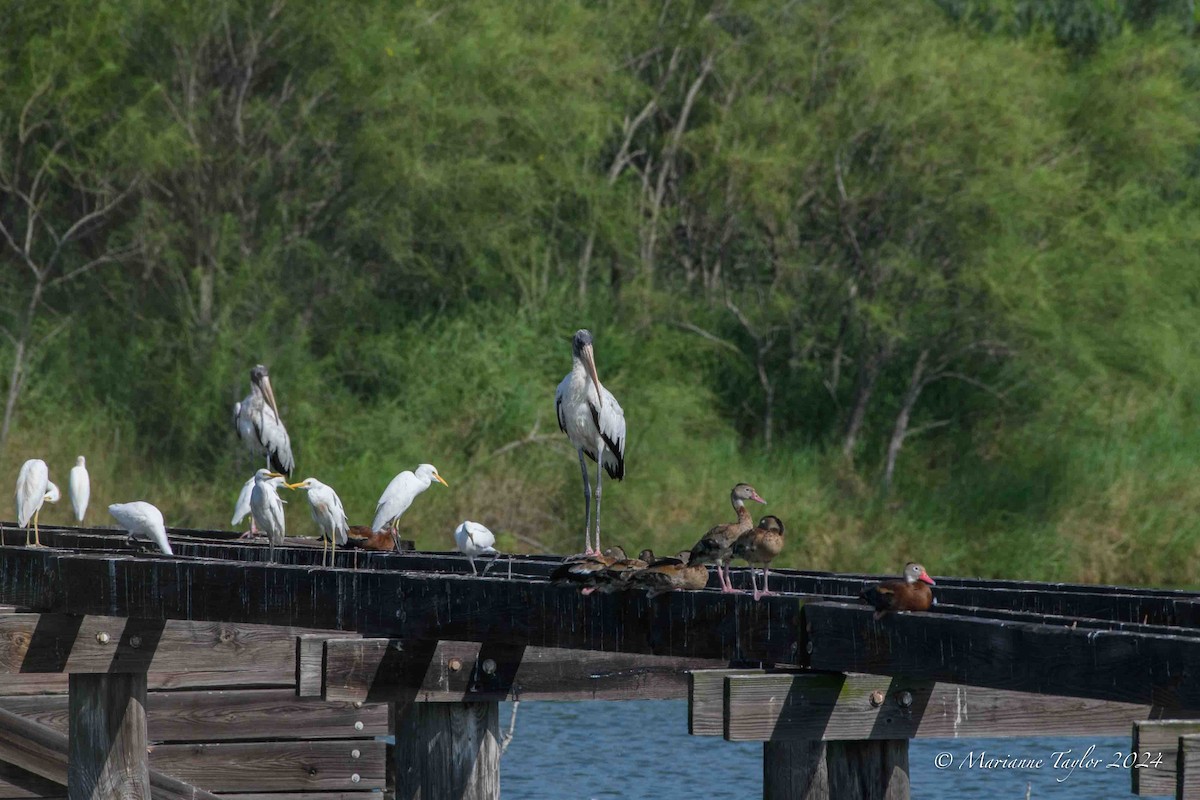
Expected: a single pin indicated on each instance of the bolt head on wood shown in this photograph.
(355, 778)
(358, 726)
(876, 698)
(489, 666)
(354, 754)
(905, 699)
(135, 641)
(102, 637)
(455, 664)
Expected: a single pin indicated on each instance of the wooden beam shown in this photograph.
(1154, 739)
(310, 663)
(227, 715)
(1107, 665)
(33, 750)
(772, 708)
(447, 750)
(276, 766)
(817, 770)
(706, 699)
(377, 670)
(1120, 604)
(49, 643)
(404, 606)
(107, 742)
(1187, 775)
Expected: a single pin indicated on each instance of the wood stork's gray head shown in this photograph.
(261, 379)
(429, 472)
(582, 350)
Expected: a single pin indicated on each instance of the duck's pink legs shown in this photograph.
(726, 583)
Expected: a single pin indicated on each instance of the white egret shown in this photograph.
(33, 484)
(327, 512)
(399, 495)
(79, 486)
(242, 508)
(53, 495)
(266, 506)
(142, 521)
(259, 425)
(474, 539)
(594, 422)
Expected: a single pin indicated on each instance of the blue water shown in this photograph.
(605, 750)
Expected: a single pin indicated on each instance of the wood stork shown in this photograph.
(142, 520)
(241, 508)
(327, 512)
(259, 425)
(715, 546)
(79, 487)
(33, 489)
(266, 506)
(473, 539)
(594, 422)
(399, 495)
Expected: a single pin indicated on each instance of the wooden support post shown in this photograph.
(875, 769)
(446, 750)
(107, 741)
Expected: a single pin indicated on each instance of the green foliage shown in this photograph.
(922, 273)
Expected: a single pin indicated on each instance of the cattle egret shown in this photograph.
(266, 506)
(142, 521)
(79, 486)
(399, 495)
(327, 512)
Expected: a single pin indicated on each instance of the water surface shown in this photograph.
(606, 750)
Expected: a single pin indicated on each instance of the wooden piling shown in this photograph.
(107, 737)
(446, 750)
(874, 769)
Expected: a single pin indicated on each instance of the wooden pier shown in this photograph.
(296, 682)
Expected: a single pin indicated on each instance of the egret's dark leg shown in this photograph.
(753, 583)
(492, 563)
(599, 479)
(587, 507)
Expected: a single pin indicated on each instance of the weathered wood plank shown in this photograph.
(107, 740)
(1150, 740)
(820, 770)
(1107, 665)
(33, 763)
(310, 663)
(762, 708)
(1131, 605)
(447, 750)
(48, 683)
(404, 605)
(706, 699)
(275, 766)
(379, 670)
(38, 643)
(1187, 775)
(20, 783)
(228, 715)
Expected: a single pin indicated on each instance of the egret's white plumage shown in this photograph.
(266, 506)
(473, 539)
(259, 425)
(242, 507)
(143, 521)
(33, 481)
(53, 494)
(327, 512)
(79, 486)
(594, 422)
(399, 495)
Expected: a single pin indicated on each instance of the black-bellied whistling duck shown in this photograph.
(616, 576)
(669, 574)
(714, 546)
(911, 594)
(362, 537)
(585, 571)
(758, 547)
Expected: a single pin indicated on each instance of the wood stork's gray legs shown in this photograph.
(270, 550)
(587, 507)
(599, 478)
